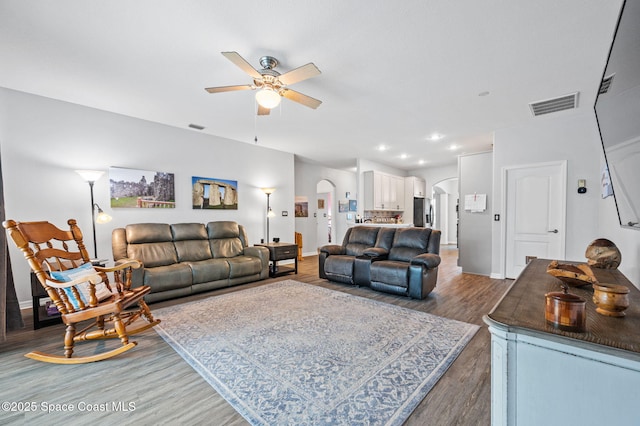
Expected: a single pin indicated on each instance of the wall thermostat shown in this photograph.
(582, 186)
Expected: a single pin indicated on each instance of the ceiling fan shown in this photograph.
(271, 84)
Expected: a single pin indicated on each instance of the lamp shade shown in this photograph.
(268, 191)
(268, 98)
(90, 175)
(102, 217)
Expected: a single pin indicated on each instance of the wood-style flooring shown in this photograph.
(151, 384)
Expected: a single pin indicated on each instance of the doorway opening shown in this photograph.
(444, 209)
(325, 229)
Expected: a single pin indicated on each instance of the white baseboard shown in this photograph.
(496, 276)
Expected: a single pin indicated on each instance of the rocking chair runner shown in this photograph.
(82, 292)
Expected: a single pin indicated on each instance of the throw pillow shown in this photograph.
(102, 292)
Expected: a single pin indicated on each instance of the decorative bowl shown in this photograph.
(610, 299)
(572, 275)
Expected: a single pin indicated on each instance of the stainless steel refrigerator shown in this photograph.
(418, 212)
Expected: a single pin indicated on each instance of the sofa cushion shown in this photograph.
(190, 240)
(188, 231)
(209, 270)
(139, 233)
(168, 277)
(390, 272)
(408, 243)
(153, 254)
(339, 264)
(224, 239)
(241, 266)
(223, 229)
(151, 243)
(360, 238)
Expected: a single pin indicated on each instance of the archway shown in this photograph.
(444, 203)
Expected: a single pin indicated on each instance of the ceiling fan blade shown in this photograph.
(298, 74)
(300, 98)
(263, 111)
(242, 64)
(229, 88)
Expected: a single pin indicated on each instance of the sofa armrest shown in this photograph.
(428, 260)
(260, 252)
(376, 253)
(332, 249)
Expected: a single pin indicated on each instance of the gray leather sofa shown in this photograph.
(186, 258)
(401, 261)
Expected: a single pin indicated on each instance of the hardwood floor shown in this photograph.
(163, 389)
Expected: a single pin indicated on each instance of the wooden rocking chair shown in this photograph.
(81, 291)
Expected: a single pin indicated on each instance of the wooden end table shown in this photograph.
(281, 251)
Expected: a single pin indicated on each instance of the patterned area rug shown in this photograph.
(293, 353)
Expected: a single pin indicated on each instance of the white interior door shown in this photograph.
(536, 211)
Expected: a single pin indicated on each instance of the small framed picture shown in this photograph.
(353, 205)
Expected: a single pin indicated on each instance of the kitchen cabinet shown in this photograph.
(383, 191)
(416, 186)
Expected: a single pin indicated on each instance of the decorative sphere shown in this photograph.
(603, 254)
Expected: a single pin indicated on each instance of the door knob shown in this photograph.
(555, 231)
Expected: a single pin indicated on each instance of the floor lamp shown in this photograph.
(270, 212)
(91, 176)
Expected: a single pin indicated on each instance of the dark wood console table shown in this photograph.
(281, 251)
(543, 375)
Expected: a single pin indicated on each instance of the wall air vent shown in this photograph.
(554, 105)
(606, 84)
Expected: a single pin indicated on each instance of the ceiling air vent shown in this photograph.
(554, 105)
(606, 84)
(196, 126)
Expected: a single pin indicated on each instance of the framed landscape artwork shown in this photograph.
(133, 188)
(302, 206)
(214, 193)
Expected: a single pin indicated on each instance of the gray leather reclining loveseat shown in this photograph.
(187, 258)
(400, 261)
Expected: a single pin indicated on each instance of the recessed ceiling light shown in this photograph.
(421, 162)
(382, 148)
(404, 156)
(435, 137)
(453, 147)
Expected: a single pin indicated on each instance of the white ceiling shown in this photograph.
(393, 72)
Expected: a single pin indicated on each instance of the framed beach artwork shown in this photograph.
(134, 188)
(214, 193)
(343, 206)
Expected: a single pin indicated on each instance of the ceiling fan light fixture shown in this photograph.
(268, 98)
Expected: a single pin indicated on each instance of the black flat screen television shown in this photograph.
(617, 110)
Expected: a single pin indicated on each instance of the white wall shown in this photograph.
(42, 142)
(474, 237)
(571, 136)
(627, 239)
(307, 176)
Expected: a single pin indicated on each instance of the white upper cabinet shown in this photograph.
(383, 191)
